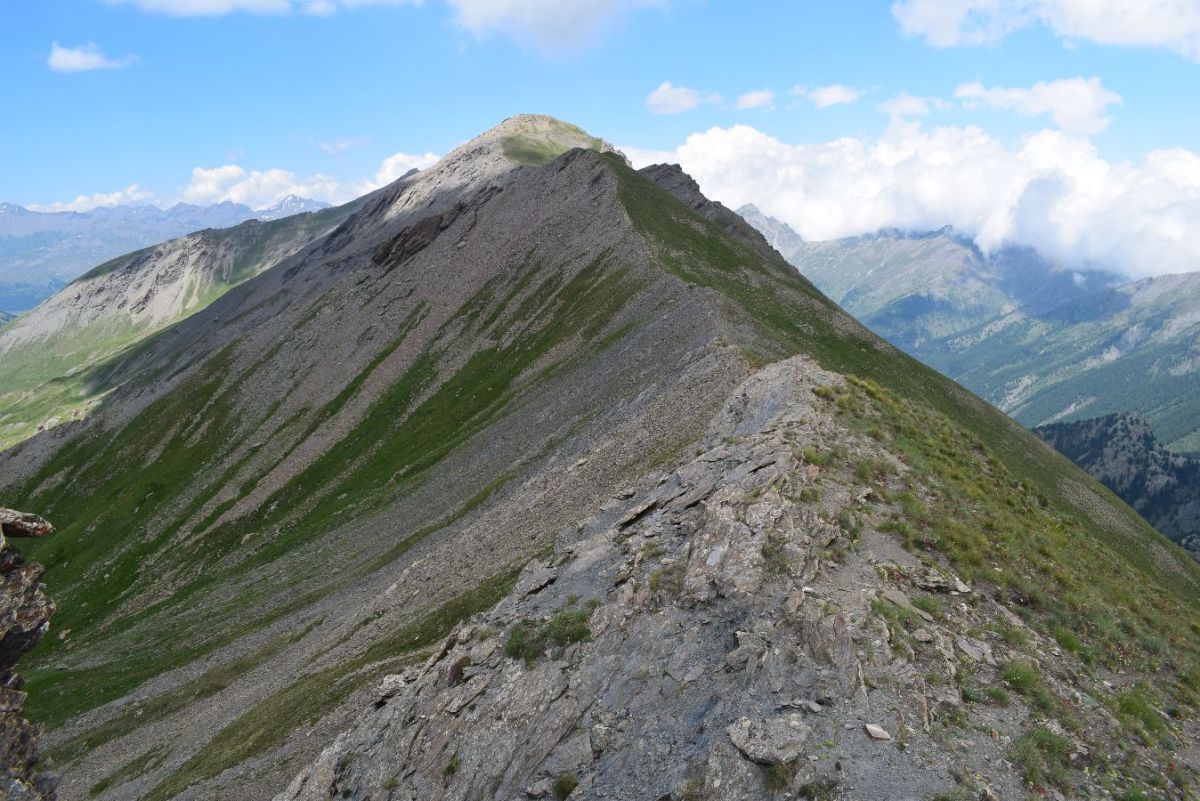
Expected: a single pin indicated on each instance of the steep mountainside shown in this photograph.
(1121, 451)
(42, 251)
(1135, 348)
(1042, 343)
(45, 355)
(596, 417)
(779, 235)
(915, 289)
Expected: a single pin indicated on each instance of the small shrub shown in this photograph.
(775, 560)
(1067, 639)
(528, 641)
(810, 495)
(451, 767)
(1021, 676)
(997, 696)
(1043, 757)
(929, 605)
(564, 785)
(825, 392)
(668, 580)
(1134, 705)
(872, 470)
(1015, 636)
(778, 776)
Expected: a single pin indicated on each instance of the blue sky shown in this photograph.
(264, 96)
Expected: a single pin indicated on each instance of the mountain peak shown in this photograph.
(292, 204)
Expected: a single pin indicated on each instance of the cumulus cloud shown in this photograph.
(84, 59)
(1053, 191)
(671, 99)
(1077, 105)
(130, 194)
(262, 188)
(1171, 24)
(398, 164)
(834, 94)
(758, 98)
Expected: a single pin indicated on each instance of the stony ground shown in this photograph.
(735, 628)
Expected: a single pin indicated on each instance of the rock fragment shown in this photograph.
(877, 732)
(770, 741)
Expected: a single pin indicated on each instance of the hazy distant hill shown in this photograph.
(1042, 342)
(42, 251)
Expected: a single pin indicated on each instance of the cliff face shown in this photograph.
(25, 612)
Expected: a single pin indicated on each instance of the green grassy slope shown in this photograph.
(1133, 349)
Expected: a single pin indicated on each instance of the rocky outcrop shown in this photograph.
(710, 634)
(25, 612)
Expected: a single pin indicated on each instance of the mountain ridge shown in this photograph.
(305, 487)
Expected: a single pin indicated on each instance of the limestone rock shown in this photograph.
(770, 741)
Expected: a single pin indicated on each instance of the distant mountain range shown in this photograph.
(1043, 342)
(43, 251)
(1122, 452)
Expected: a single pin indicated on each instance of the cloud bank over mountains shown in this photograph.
(1053, 191)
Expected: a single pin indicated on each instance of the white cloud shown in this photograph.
(671, 99)
(256, 188)
(1077, 105)
(904, 105)
(549, 25)
(1171, 24)
(262, 188)
(84, 59)
(835, 94)
(130, 194)
(758, 98)
(1053, 191)
(398, 164)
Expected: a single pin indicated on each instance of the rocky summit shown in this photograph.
(538, 476)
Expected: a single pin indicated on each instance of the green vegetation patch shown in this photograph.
(528, 640)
